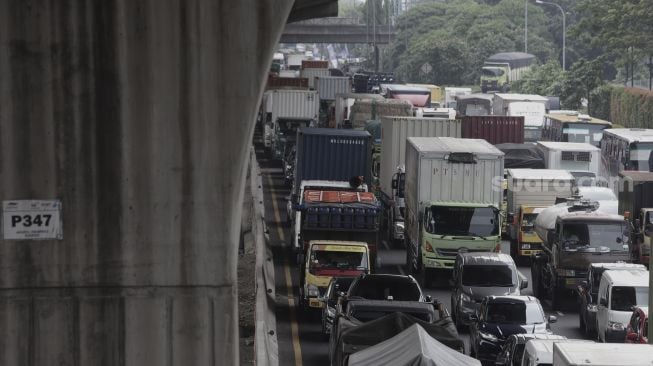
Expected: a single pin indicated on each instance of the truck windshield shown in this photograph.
(492, 72)
(595, 237)
(518, 312)
(475, 221)
(529, 219)
(487, 276)
(289, 127)
(625, 297)
(328, 259)
(591, 133)
(640, 153)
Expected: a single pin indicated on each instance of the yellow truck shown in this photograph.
(527, 243)
(326, 259)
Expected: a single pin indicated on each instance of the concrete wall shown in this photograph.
(137, 115)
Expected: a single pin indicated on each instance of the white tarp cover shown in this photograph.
(412, 347)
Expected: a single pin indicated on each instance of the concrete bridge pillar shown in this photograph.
(134, 115)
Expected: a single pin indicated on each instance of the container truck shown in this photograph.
(393, 159)
(574, 234)
(330, 86)
(582, 160)
(529, 192)
(494, 129)
(636, 202)
(288, 110)
(453, 195)
(531, 106)
(311, 74)
(502, 69)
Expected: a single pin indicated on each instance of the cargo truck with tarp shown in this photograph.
(474, 104)
(453, 197)
(338, 236)
(502, 69)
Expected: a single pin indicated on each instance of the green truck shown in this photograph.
(502, 69)
(453, 196)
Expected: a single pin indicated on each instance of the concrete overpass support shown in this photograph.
(136, 115)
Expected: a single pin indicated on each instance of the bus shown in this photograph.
(570, 126)
(626, 149)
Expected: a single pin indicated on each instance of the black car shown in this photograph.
(337, 286)
(500, 317)
(385, 287)
(477, 275)
(513, 350)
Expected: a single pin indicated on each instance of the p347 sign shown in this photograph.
(31, 220)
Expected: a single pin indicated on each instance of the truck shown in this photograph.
(417, 96)
(636, 202)
(531, 106)
(574, 234)
(451, 93)
(494, 129)
(582, 160)
(364, 110)
(325, 259)
(287, 110)
(530, 191)
(572, 126)
(392, 164)
(295, 61)
(474, 104)
(436, 93)
(500, 70)
(338, 233)
(453, 196)
(601, 354)
(344, 103)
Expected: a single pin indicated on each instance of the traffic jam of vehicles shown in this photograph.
(447, 176)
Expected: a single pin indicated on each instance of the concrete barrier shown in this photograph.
(265, 343)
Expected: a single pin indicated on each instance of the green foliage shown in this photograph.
(473, 30)
(632, 107)
(580, 81)
(600, 100)
(546, 79)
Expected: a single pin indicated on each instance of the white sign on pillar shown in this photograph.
(31, 220)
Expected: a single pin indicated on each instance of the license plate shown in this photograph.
(571, 281)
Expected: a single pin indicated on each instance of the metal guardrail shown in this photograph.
(265, 343)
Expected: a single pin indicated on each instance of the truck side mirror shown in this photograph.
(552, 319)
(523, 284)
(428, 298)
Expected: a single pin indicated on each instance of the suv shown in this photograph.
(588, 292)
(501, 316)
(383, 287)
(477, 275)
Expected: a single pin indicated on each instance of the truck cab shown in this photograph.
(642, 238)
(528, 243)
(326, 259)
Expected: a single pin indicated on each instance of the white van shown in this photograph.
(619, 291)
(539, 352)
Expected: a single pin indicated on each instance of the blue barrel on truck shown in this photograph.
(333, 154)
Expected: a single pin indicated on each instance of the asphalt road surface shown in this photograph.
(300, 339)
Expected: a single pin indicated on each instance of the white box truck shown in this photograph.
(602, 354)
(582, 160)
(395, 130)
(288, 109)
(453, 196)
(531, 106)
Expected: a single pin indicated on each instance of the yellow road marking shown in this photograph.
(294, 327)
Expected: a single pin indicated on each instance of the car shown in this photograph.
(619, 291)
(477, 275)
(637, 331)
(513, 351)
(502, 316)
(336, 288)
(587, 293)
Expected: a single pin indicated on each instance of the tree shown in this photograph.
(584, 77)
(546, 79)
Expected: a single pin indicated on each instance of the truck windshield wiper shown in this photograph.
(478, 235)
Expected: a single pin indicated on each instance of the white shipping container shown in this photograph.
(435, 171)
(329, 86)
(395, 131)
(531, 106)
(537, 187)
(294, 104)
(310, 74)
(571, 156)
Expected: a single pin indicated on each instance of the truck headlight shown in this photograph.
(616, 326)
(565, 272)
(399, 227)
(428, 247)
(466, 298)
(313, 291)
(488, 337)
(331, 312)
